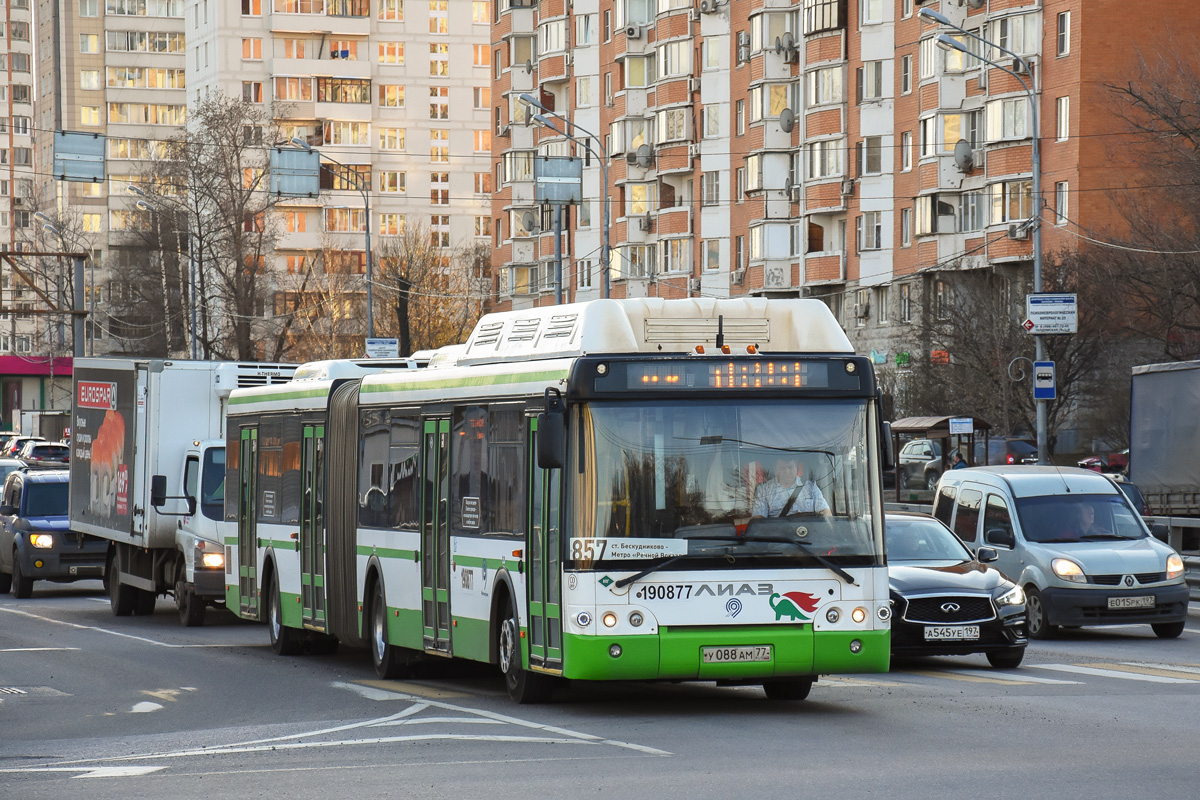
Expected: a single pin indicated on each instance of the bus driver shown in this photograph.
(788, 492)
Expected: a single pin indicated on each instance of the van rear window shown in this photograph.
(943, 504)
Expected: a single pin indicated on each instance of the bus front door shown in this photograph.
(312, 527)
(545, 569)
(435, 536)
(248, 524)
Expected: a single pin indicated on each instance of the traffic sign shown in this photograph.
(1051, 314)
(1043, 381)
(383, 347)
(962, 425)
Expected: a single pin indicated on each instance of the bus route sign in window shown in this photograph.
(733, 374)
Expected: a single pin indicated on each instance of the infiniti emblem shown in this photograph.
(950, 608)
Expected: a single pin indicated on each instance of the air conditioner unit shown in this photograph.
(1018, 232)
(737, 276)
(505, 131)
(709, 6)
(862, 310)
(847, 187)
(644, 223)
(694, 150)
(570, 57)
(633, 32)
(18, 201)
(693, 284)
(694, 85)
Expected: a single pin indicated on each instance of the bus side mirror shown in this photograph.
(552, 432)
(889, 457)
(158, 490)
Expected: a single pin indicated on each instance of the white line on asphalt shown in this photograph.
(428, 720)
(114, 633)
(36, 649)
(145, 707)
(1172, 667)
(1007, 677)
(91, 772)
(1110, 673)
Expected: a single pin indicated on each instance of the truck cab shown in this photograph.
(198, 538)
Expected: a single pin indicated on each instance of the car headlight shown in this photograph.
(209, 556)
(1013, 597)
(1068, 570)
(45, 541)
(1174, 566)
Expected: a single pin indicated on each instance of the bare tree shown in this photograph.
(325, 299)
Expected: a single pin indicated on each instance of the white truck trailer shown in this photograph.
(148, 474)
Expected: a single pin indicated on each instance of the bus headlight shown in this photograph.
(42, 541)
(609, 619)
(1174, 566)
(859, 614)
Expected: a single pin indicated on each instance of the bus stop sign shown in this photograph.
(1043, 380)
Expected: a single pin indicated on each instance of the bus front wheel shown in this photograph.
(523, 686)
(284, 641)
(389, 660)
(787, 688)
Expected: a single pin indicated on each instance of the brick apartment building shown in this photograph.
(808, 148)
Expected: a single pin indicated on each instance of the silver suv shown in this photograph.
(1070, 538)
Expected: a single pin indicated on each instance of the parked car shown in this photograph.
(920, 463)
(946, 600)
(6, 437)
(1072, 541)
(1005, 450)
(38, 453)
(36, 542)
(8, 465)
(1132, 492)
(15, 444)
(1110, 462)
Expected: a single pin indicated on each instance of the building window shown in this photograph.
(483, 141)
(253, 8)
(391, 224)
(710, 253)
(1060, 202)
(481, 12)
(252, 91)
(675, 255)
(439, 60)
(252, 49)
(905, 302)
(905, 74)
(740, 252)
(483, 227)
(741, 117)
(1011, 201)
(483, 97)
(906, 227)
(872, 155)
(391, 96)
(391, 10)
(89, 8)
(1006, 119)
(439, 146)
(710, 188)
(870, 230)
(870, 81)
(824, 86)
(1063, 124)
(906, 9)
(392, 182)
(1064, 33)
(89, 115)
(825, 158)
(438, 21)
(928, 57)
(823, 15)
(483, 183)
(89, 43)
(906, 149)
(941, 299)
(1021, 34)
(392, 53)
(972, 212)
(881, 304)
(870, 11)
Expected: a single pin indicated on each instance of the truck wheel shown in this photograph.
(144, 602)
(1035, 610)
(5, 583)
(284, 641)
(523, 686)
(120, 596)
(22, 586)
(390, 661)
(787, 688)
(191, 610)
(1167, 630)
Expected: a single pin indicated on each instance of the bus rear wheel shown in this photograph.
(390, 661)
(523, 686)
(787, 688)
(284, 641)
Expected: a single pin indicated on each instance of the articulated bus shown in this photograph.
(578, 492)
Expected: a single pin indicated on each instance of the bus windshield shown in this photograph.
(734, 477)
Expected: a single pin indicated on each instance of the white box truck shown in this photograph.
(148, 474)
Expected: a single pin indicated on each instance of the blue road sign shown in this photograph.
(1043, 381)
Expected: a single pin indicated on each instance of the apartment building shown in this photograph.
(395, 94)
(823, 148)
(16, 163)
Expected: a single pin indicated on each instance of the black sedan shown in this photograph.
(945, 601)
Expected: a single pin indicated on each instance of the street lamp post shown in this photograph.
(363, 188)
(949, 42)
(602, 158)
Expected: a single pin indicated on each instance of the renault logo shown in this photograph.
(950, 608)
(1129, 580)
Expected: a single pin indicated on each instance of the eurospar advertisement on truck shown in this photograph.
(102, 440)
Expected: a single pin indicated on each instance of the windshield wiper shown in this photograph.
(1096, 536)
(621, 584)
(834, 568)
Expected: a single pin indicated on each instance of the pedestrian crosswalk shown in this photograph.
(1027, 675)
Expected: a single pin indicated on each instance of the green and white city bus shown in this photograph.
(579, 492)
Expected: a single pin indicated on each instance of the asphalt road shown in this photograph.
(100, 707)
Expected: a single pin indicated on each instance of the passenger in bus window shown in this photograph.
(788, 492)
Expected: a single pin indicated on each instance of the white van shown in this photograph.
(1071, 539)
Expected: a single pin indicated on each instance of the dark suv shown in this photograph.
(36, 542)
(1005, 450)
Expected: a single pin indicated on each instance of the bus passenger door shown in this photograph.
(545, 568)
(248, 523)
(435, 535)
(312, 527)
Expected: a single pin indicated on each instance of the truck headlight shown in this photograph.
(1068, 570)
(213, 560)
(1013, 597)
(45, 541)
(1174, 566)
(209, 556)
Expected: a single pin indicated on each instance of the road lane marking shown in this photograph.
(1080, 669)
(115, 633)
(961, 675)
(129, 771)
(36, 649)
(1009, 677)
(1193, 669)
(1150, 669)
(145, 707)
(836, 681)
(392, 687)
